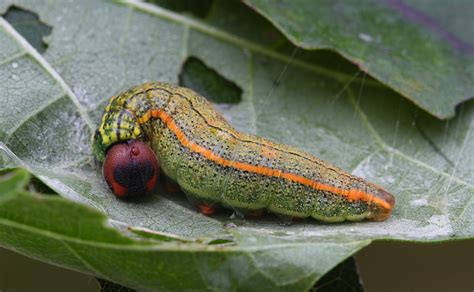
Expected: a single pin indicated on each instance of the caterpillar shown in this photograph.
(215, 164)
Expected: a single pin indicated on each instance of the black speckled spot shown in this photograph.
(134, 176)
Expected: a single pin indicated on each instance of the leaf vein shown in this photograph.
(238, 41)
(132, 246)
(83, 260)
(384, 146)
(48, 68)
(32, 114)
(13, 57)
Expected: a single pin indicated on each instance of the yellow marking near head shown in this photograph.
(143, 119)
(136, 131)
(113, 136)
(106, 139)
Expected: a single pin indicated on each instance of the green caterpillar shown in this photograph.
(214, 163)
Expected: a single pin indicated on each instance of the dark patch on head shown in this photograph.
(209, 83)
(28, 24)
(130, 169)
(134, 176)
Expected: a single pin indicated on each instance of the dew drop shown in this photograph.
(15, 65)
(365, 37)
(15, 77)
(419, 202)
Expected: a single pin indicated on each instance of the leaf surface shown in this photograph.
(423, 50)
(52, 103)
(77, 237)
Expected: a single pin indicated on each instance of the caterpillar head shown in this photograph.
(130, 169)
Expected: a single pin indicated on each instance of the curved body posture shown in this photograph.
(215, 163)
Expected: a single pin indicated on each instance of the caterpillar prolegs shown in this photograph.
(214, 163)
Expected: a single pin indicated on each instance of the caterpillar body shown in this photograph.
(214, 163)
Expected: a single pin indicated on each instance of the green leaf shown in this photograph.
(77, 237)
(423, 50)
(11, 183)
(52, 103)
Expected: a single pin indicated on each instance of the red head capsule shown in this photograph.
(130, 169)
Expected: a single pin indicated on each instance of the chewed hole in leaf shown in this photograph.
(221, 241)
(108, 286)
(17, 178)
(197, 8)
(37, 186)
(209, 83)
(28, 24)
(343, 277)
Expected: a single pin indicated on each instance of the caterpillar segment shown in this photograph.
(214, 163)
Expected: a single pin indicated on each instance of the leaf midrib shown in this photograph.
(165, 246)
(28, 49)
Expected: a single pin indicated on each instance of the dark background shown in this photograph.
(384, 266)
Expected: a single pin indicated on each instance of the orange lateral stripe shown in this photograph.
(352, 194)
